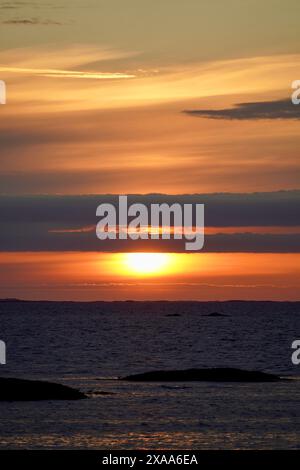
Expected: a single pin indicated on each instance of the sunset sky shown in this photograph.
(138, 97)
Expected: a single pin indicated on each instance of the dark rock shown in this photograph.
(203, 375)
(25, 390)
(173, 315)
(216, 314)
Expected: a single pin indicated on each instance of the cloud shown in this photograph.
(175, 83)
(280, 208)
(31, 22)
(55, 73)
(69, 62)
(10, 5)
(280, 109)
(14, 5)
(75, 55)
(66, 223)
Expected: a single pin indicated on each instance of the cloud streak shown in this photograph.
(31, 22)
(55, 73)
(280, 109)
(70, 62)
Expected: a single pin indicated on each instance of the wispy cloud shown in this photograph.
(249, 76)
(279, 109)
(11, 5)
(56, 73)
(14, 5)
(28, 13)
(32, 22)
(46, 62)
(75, 55)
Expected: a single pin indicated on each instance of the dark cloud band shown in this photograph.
(281, 109)
(58, 223)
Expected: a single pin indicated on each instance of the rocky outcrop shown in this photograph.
(203, 375)
(24, 390)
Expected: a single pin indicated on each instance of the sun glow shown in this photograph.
(147, 264)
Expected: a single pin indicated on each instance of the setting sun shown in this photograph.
(147, 263)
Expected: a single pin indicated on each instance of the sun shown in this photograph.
(147, 264)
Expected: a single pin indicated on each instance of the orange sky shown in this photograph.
(113, 276)
(130, 135)
(96, 104)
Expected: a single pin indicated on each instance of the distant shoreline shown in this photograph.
(12, 300)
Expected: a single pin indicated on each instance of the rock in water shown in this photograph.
(216, 314)
(203, 375)
(26, 390)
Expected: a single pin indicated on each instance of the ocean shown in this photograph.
(89, 345)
